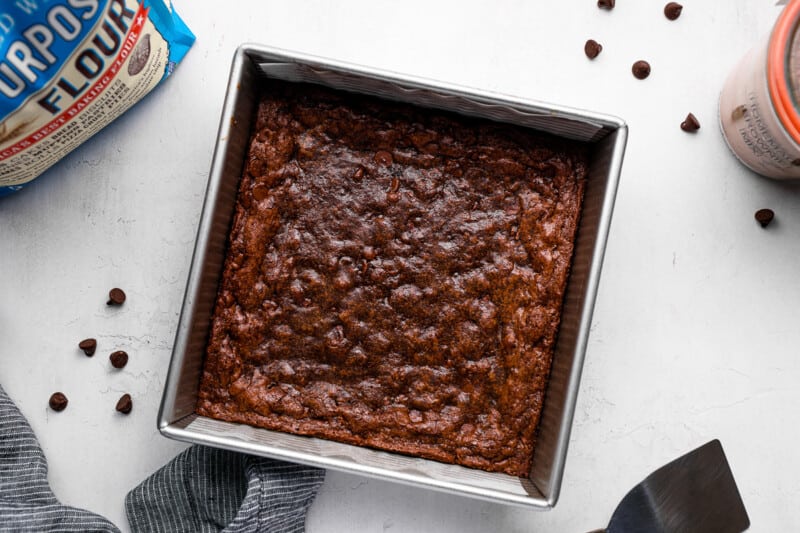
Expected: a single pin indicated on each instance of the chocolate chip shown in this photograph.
(88, 346)
(58, 402)
(796, 162)
(260, 192)
(118, 359)
(738, 112)
(764, 217)
(116, 297)
(395, 186)
(592, 48)
(673, 10)
(606, 4)
(382, 157)
(369, 252)
(691, 124)
(125, 404)
(358, 174)
(641, 69)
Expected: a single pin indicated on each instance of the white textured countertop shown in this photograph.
(695, 333)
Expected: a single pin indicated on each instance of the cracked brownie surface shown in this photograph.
(394, 278)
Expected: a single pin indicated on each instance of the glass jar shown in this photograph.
(759, 104)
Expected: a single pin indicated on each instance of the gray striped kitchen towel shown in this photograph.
(208, 490)
(200, 490)
(26, 501)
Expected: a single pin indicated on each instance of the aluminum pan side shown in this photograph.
(180, 390)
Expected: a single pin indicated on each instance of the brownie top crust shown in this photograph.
(394, 278)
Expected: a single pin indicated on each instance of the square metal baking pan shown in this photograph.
(251, 64)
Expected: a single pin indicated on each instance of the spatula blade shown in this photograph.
(695, 493)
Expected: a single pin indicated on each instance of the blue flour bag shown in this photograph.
(69, 67)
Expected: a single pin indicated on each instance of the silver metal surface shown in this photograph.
(606, 134)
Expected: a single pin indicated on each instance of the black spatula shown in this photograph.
(695, 493)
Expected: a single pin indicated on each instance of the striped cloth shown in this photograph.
(26, 501)
(201, 490)
(208, 490)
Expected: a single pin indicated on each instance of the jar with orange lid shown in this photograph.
(759, 107)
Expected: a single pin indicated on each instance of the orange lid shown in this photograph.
(778, 75)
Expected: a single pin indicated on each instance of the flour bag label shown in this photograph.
(70, 67)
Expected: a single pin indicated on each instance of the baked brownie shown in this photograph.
(394, 278)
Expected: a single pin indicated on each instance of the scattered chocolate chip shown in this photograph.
(641, 69)
(606, 4)
(395, 186)
(124, 405)
(88, 346)
(118, 359)
(358, 175)
(764, 217)
(738, 112)
(796, 162)
(116, 297)
(592, 48)
(691, 124)
(382, 157)
(58, 402)
(673, 10)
